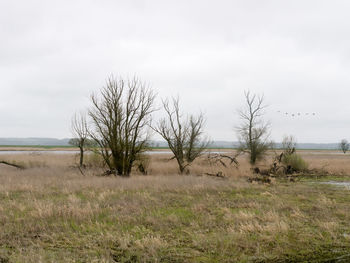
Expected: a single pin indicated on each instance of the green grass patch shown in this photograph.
(290, 222)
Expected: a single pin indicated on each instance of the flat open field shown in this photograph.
(50, 212)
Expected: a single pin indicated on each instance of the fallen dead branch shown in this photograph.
(218, 158)
(12, 164)
(260, 179)
(218, 174)
(280, 170)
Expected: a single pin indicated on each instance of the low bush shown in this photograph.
(295, 162)
(94, 160)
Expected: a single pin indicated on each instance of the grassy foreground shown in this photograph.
(61, 216)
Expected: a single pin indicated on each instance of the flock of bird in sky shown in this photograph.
(297, 114)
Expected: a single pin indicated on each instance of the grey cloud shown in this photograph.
(53, 54)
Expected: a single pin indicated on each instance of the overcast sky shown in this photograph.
(54, 54)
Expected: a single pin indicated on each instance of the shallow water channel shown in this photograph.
(38, 152)
(341, 184)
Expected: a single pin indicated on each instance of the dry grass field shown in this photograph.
(50, 212)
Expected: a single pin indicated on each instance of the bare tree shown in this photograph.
(120, 117)
(344, 145)
(288, 148)
(80, 133)
(253, 132)
(288, 145)
(184, 136)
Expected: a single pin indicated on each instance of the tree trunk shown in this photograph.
(81, 162)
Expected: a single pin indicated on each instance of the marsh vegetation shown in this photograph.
(50, 212)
